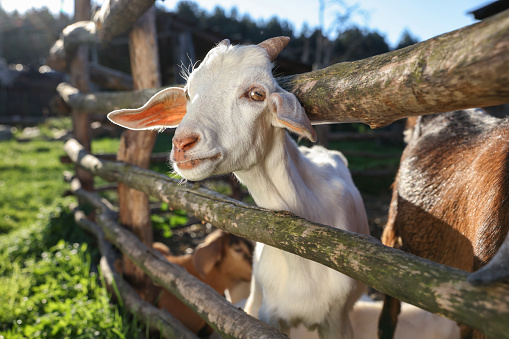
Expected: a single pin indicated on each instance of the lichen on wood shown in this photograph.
(224, 317)
(462, 69)
(431, 286)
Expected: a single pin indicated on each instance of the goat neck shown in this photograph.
(280, 181)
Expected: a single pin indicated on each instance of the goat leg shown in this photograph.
(388, 318)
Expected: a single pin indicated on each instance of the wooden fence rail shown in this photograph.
(213, 308)
(431, 286)
(462, 69)
(465, 68)
(153, 317)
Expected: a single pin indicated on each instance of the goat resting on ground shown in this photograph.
(232, 117)
(222, 261)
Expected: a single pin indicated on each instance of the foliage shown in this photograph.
(355, 44)
(164, 223)
(27, 38)
(49, 284)
(56, 296)
(31, 182)
(41, 29)
(406, 39)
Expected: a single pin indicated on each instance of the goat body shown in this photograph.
(235, 122)
(450, 199)
(222, 261)
(287, 289)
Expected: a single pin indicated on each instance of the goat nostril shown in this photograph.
(185, 143)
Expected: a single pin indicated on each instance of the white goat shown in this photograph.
(235, 122)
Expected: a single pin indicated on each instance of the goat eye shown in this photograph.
(256, 94)
(187, 95)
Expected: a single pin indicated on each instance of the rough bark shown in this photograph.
(461, 69)
(74, 35)
(151, 316)
(79, 33)
(225, 318)
(105, 77)
(136, 147)
(118, 16)
(431, 286)
(57, 58)
(104, 102)
(110, 78)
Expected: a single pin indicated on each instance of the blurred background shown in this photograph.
(323, 32)
(49, 282)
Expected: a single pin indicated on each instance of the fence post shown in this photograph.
(136, 147)
(80, 80)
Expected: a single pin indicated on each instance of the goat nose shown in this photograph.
(186, 142)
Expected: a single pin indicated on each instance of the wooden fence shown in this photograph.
(461, 69)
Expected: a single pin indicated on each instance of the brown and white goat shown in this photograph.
(450, 201)
(222, 261)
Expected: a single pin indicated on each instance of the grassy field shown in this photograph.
(49, 283)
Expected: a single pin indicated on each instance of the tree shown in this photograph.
(406, 39)
(356, 44)
(27, 38)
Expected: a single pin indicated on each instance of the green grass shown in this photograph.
(31, 182)
(49, 284)
(371, 184)
(56, 295)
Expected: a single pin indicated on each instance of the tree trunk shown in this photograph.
(436, 288)
(80, 80)
(136, 147)
(461, 69)
(118, 16)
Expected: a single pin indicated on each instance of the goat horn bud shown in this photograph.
(225, 42)
(274, 46)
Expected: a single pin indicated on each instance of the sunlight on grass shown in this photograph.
(56, 296)
(31, 181)
(49, 284)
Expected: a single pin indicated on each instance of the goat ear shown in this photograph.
(161, 248)
(164, 110)
(208, 253)
(289, 114)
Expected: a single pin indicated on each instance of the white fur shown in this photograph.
(243, 137)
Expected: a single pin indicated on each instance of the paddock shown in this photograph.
(376, 91)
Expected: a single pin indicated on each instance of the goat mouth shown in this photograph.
(189, 164)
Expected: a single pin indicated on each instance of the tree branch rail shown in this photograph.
(462, 69)
(436, 288)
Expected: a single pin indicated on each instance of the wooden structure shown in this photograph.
(461, 69)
